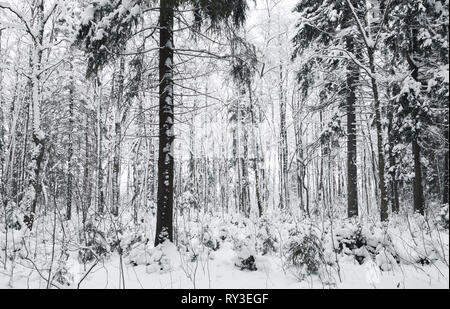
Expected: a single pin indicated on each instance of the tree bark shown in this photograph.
(419, 205)
(284, 188)
(164, 225)
(100, 190)
(352, 170)
(381, 160)
(70, 146)
(446, 173)
(37, 154)
(418, 188)
(117, 139)
(394, 184)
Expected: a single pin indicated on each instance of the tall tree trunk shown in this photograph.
(394, 184)
(2, 120)
(164, 224)
(237, 143)
(70, 146)
(117, 139)
(3, 199)
(284, 190)
(32, 192)
(381, 160)
(255, 122)
(419, 205)
(446, 173)
(100, 190)
(380, 145)
(418, 188)
(352, 170)
(86, 180)
(245, 177)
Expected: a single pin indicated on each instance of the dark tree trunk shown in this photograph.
(164, 224)
(446, 175)
(352, 171)
(418, 188)
(419, 205)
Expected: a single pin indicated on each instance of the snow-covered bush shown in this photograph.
(247, 264)
(13, 219)
(267, 240)
(443, 216)
(306, 255)
(352, 241)
(367, 242)
(96, 246)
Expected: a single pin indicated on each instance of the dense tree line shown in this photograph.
(118, 110)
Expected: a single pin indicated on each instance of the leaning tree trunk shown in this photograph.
(352, 171)
(164, 224)
(37, 154)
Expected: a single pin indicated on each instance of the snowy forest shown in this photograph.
(209, 144)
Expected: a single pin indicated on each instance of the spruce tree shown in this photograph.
(116, 20)
(418, 39)
(327, 25)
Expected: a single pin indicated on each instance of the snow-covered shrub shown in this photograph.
(187, 202)
(63, 276)
(267, 240)
(209, 239)
(247, 264)
(352, 241)
(306, 255)
(13, 219)
(367, 242)
(419, 240)
(162, 258)
(443, 216)
(96, 246)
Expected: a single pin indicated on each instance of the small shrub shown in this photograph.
(443, 217)
(268, 237)
(307, 255)
(247, 264)
(354, 242)
(97, 243)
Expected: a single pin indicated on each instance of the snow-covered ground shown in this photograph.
(234, 252)
(220, 272)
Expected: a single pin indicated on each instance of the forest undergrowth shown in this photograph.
(304, 249)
